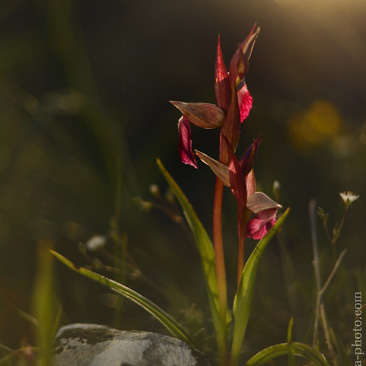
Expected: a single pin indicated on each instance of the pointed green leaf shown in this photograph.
(244, 295)
(303, 350)
(159, 314)
(205, 249)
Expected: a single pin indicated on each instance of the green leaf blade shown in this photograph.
(244, 295)
(300, 349)
(206, 252)
(164, 318)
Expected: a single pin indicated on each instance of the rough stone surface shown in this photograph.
(98, 345)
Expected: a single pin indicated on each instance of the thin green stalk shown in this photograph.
(339, 228)
(43, 304)
(319, 308)
(314, 240)
(291, 351)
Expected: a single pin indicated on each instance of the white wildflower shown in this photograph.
(348, 197)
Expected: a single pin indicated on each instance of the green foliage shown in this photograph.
(165, 319)
(44, 305)
(243, 298)
(242, 301)
(206, 252)
(291, 351)
(265, 356)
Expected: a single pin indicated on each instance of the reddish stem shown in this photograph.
(219, 249)
(241, 253)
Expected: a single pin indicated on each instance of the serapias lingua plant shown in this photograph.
(256, 215)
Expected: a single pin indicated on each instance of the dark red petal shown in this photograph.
(259, 225)
(185, 142)
(237, 180)
(245, 102)
(239, 66)
(230, 128)
(247, 159)
(222, 84)
(220, 68)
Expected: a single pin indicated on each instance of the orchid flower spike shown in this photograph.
(234, 102)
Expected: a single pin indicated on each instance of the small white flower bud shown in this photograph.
(96, 242)
(154, 189)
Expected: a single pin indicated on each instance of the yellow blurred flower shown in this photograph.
(319, 125)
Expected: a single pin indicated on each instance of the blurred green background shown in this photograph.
(84, 113)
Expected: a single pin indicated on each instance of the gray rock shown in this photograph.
(98, 345)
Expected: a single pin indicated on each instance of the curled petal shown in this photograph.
(185, 142)
(239, 66)
(248, 45)
(240, 62)
(245, 102)
(203, 115)
(259, 225)
(220, 170)
(247, 160)
(259, 202)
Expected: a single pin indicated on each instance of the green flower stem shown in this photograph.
(319, 308)
(220, 263)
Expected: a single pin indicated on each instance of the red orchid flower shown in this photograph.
(239, 176)
(233, 106)
(233, 102)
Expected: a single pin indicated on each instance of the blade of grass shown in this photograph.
(303, 350)
(43, 302)
(291, 351)
(244, 294)
(28, 317)
(164, 318)
(207, 255)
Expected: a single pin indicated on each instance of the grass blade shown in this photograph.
(303, 350)
(164, 318)
(206, 252)
(43, 303)
(291, 351)
(244, 295)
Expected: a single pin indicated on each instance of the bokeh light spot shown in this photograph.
(318, 125)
